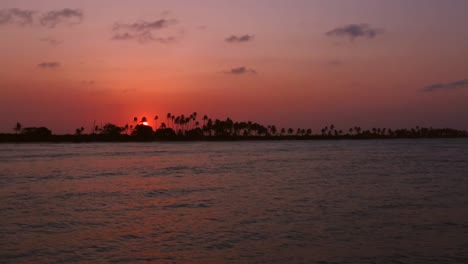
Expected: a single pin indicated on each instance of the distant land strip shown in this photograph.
(189, 128)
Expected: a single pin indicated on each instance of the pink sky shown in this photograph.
(393, 63)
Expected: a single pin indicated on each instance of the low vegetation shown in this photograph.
(179, 128)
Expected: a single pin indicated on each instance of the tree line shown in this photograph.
(194, 127)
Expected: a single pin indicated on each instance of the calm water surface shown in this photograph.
(388, 201)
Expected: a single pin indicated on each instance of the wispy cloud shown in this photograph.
(88, 83)
(241, 70)
(335, 63)
(49, 65)
(16, 16)
(51, 41)
(447, 86)
(66, 16)
(22, 17)
(354, 31)
(239, 39)
(143, 31)
(143, 37)
(143, 26)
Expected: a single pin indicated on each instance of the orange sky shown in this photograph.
(66, 64)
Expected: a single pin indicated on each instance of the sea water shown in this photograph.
(361, 201)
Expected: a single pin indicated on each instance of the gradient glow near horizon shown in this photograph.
(371, 63)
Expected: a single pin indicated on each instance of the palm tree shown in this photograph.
(18, 127)
(332, 130)
(205, 118)
(194, 116)
(177, 121)
(273, 130)
(144, 119)
(79, 131)
(155, 119)
(324, 130)
(209, 125)
(168, 116)
(358, 130)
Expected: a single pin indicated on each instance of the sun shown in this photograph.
(145, 123)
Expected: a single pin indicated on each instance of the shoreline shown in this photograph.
(19, 138)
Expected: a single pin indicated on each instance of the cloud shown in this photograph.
(353, 31)
(144, 26)
(49, 65)
(335, 63)
(16, 16)
(88, 83)
(66, 16)
(143, 37)
(51, 41)
(447, 86)
(239, 39)
(241, 70)
(49, 19)
(143, 31)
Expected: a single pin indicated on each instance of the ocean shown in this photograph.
(348, 201)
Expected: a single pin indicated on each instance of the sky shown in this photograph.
(293, 63)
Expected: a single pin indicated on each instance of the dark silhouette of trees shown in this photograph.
(164, 133)
(36, 131)
(17, 128)
(205, 119)
(187, 127)
(111, 130)
(143, 132)
(79, 131)
(155, 120)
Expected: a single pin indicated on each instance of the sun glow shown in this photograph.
(145, 123)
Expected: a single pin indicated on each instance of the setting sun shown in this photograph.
(267, 131)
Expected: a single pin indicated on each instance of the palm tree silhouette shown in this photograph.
(155, 119)
(18, 127)
(205, 118)
(168, 116)
(79, 131)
